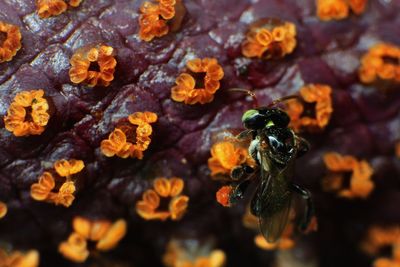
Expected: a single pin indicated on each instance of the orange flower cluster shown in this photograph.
(10, 41)
(93, 66)
(19, 259)
(316, 118)
(381, 63)
(117, 142)
(154, 19)
(379, 238)
(339, 9)
(163, 188)
(3, 209)
(27, 114)
(360, 180)
(270, 38)
(223, 195)
(225, 156)
(49, 8)
(193, 254)
(43, 189)
(200, 84)
(284, 243)
(105, 234)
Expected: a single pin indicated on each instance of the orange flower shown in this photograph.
(10, 41)
(360, 181)
(75, 3)
(106, 234)
(43, 190)
(200, 84)
(163, 188)
(270, 38)
(380, 63)
(223, 195)
(339, 9)
(49, 8)
(18, 259)
(156, 20)
(3, 209)
(93, 66)
(190, 253)
(379, 238)
(225, 156)
(314, 94)
(27, 114)
(117, 144)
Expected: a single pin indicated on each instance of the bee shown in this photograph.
(275, 148)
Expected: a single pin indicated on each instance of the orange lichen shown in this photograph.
(223, 195)
(43, 189)
(270, 38)
(361, 184)
(10, 41)
(200, 83)
(117, 143)
(313, 111)
(156, 20)
(19, 259)
(380, 63)
(106, 235)
(50, 8)
(27, 114)
(339, 9)
(225, 156)
(3, 209)
(93, 66)
(163, 188)
(192, 254)
(379, 238)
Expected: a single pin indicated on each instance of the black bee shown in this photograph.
(275, 148)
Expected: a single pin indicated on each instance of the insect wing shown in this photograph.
(272, 202)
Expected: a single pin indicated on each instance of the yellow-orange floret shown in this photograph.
(3, 209)
(10, 41)
(200, 83)
(361, 184)
(27, 114)
(43, 190)
(318, 115)
(171, 190)
(117, 143)
(105, 234)
(339, 9)
(19, 259)
(380, 63)
(93, 66)
(192, 254)
(270, 38)
(50, 8)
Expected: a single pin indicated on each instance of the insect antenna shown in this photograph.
(249, 92)
(283, 99)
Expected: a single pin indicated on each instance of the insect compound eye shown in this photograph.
(252, 119)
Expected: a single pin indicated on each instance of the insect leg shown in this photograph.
(309, 212)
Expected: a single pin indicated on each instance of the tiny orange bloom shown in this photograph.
(318, 117)
(225, 156)
(270, 39)
(50, 8)
(27, 114)
(200, 84)
(339, 9)
(66, 168)
(75, 3)
(19, 259)
(3, 209)
(106, 235)
(360, 181)
(93, 66)
(223, 195)
(10, 41)
(163, 188)
(180, 254)
(40, 191)
(379, 64)
(117, 143)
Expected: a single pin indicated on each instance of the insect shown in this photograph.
(275, 148)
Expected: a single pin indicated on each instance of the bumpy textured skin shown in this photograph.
(365, 123)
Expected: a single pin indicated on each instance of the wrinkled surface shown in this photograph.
(365, 123)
